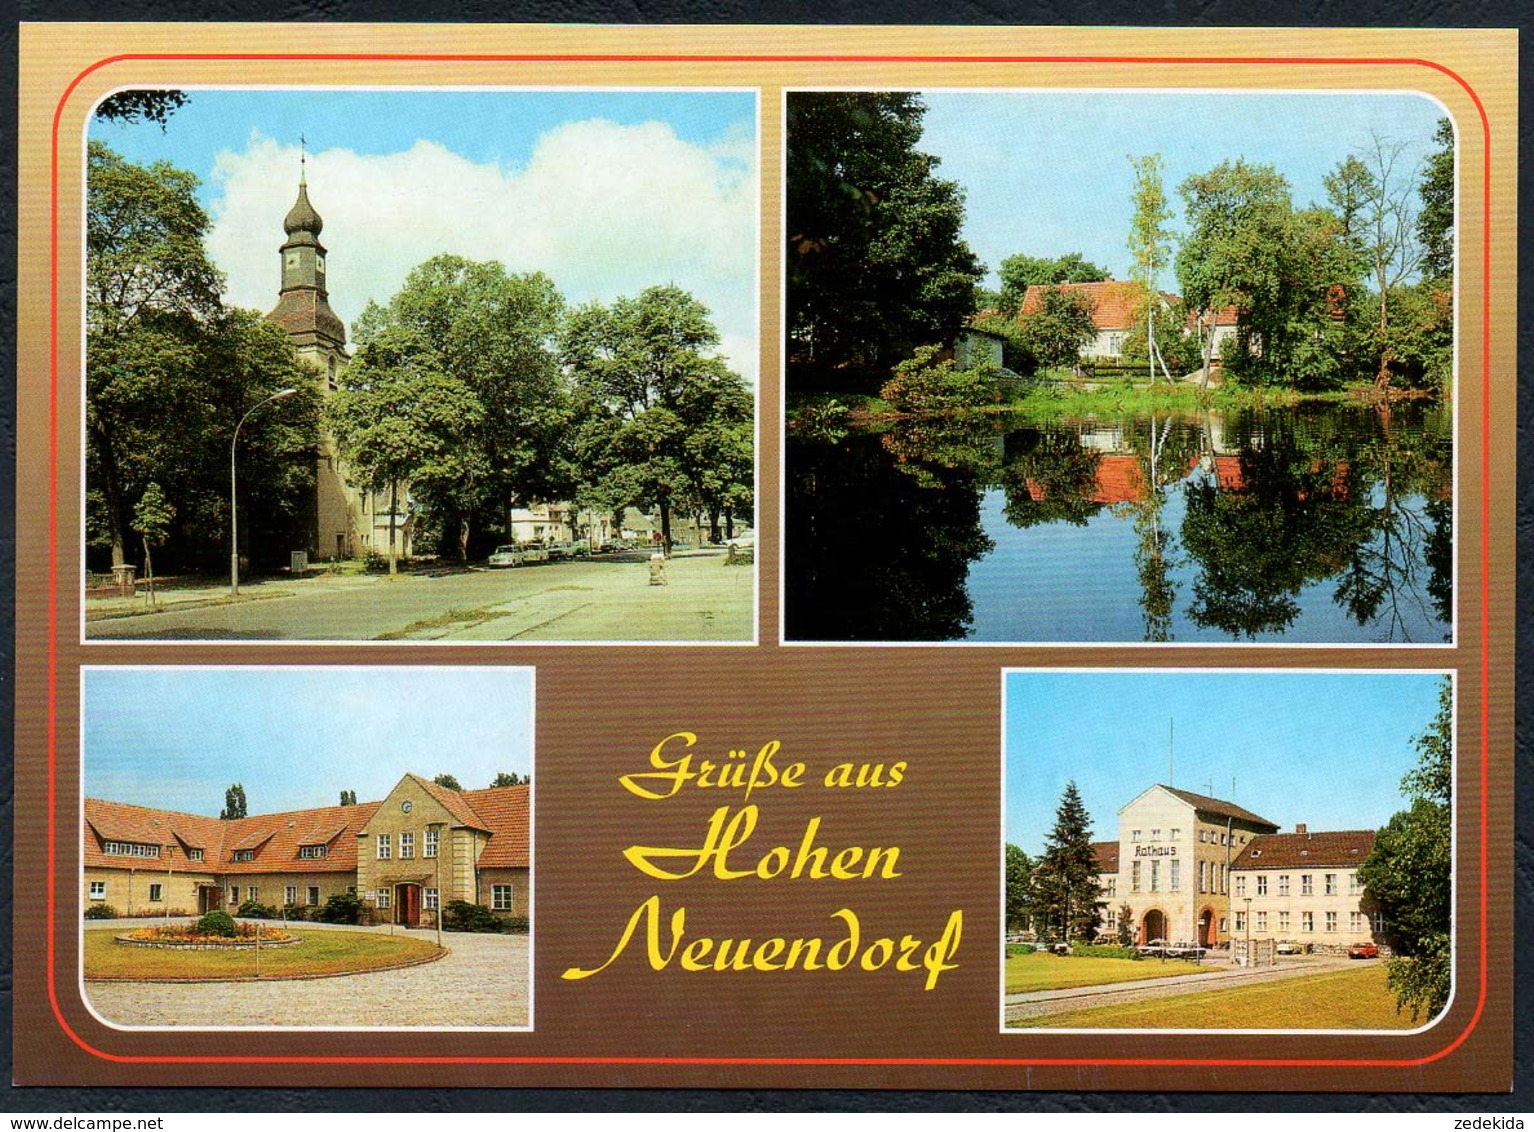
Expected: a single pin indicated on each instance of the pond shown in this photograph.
(1322, 523)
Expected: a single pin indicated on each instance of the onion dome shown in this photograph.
(302, 217)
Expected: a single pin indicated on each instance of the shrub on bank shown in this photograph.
(216, 922)
(101, 912)
(255, 910)
(1104, 951)
(923, 384)
(462, 916)
(342, 908)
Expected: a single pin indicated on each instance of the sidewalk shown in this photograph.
(187, 594)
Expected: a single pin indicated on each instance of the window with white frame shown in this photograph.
(1379, 922)
(129, 849)
(1262, 884)
(500, 897)
(1110, 886)
(314, 895)
(429, 899)
(1306, 887)
(1112, 921)
(1261, 921)
(406, 846)
(252, 893)
(1241, 885)
(1354, 888)
(382, 897)
(244, 855)
(1176, 833)
(156, 893)
(313, 851)
(1283, 921)
(1283, 884)
(1331, 884)
(1307, 921)
(194, 854)
(385, 847)
(1241, 921)
(1134, 835)
(290, 894)
(429, 847)
(1355, 922)
(1174, 879)
(1155, 835)
(1331, 921)
(1203, 834)
(1134, 876)
(1155, 876)
(1203, 875)
(98, 890)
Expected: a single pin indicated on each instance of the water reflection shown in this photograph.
(1322, 524)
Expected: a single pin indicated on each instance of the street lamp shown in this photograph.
(1248, 900)
(234, 505)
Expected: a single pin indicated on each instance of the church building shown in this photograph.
(349, 521)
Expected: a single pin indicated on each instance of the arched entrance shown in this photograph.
(1153, 925)
(1206, 933)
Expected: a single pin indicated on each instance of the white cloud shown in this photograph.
(603, 209)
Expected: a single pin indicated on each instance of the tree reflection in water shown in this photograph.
(1263, 519)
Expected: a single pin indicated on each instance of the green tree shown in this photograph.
(348, 797)
(1239, 252)
(1407, 873)
(511, 779)
(151, 522)
(924, 384)
(1059, 328)
(1019, 889)
(1150, 244)
(1126, 933)
(170, 371)
(129, 106)
(1391, 251)
(1019, 272)
(234, 803)
(448, 781)
(148, 281)
(663, 419)
(464, 354)
(1435, 220)
(876, 265)
(1066, 889)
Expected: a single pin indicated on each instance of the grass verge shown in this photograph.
(1336, 1000)
(1043, 971)
(322, 952)
(441, 621)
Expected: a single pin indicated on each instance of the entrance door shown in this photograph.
(208, 898)
(1206, 928)
(1153, 925)
(407, 899)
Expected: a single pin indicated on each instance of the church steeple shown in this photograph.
(303, 307)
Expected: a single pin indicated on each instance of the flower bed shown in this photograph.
(186, 937)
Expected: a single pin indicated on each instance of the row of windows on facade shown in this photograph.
(139, 849)
(1215, 877)
(501, 895)
(1282, 921)
(407, 845)
(1206, 836)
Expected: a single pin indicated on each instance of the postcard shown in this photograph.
(810, 558)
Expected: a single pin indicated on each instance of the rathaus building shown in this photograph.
(349, 522)
(1192, 868)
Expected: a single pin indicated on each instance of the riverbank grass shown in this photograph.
(1337, 1000)
(322, 952)
(1042, 971)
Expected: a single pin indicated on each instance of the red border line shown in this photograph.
(417, 57)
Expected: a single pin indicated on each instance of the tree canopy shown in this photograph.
(511, 778)
(1435, 221)
(456, 391)
(662, 420)
(1065, 887)
(448, 781)
(170, 371)
(234, 803)
(1021, 271)
(1062, 324)
(1407, 875)
(875, 262)
(141, 106)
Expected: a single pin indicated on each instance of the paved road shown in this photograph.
(602, 599)
(481, 981)
(1033, 1004)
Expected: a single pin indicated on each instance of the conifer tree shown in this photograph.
(1066, 888)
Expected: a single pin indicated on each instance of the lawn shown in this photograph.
(320, 953)
(1354, 999)
(1043, 971)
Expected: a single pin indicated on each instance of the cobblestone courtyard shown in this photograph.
(481, 981)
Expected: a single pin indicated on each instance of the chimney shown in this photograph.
(1299, 827)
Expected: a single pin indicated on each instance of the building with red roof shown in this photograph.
(406, 856)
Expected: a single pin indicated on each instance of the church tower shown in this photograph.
(346, 520)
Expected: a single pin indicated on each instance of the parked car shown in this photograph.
(534, 552)
(505, 556)
(1288, 947)
(1364, 951)
(558, 551)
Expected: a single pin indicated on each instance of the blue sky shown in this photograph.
(607, 192)
(297, 736)
(1327, 749)
(1049, 173)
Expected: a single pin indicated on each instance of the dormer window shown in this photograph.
(244, 855)
(129, 849)
(312, 852)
